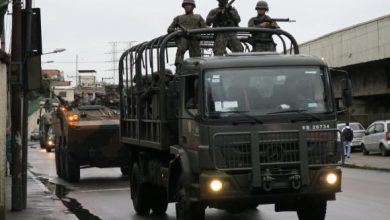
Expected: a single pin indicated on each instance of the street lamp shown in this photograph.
(60, 50)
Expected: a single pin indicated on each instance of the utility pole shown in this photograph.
(16, 105)
(28, 52)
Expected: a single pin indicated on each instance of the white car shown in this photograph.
(358, 133)
(377, 138)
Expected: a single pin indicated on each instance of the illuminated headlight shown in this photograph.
(50, 143)
(331, 178)
(216, 185)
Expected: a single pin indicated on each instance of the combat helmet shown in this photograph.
(262, 4)
(192, 2)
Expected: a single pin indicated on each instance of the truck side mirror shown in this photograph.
(346, 92)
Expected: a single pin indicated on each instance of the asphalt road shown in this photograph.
(105, 194)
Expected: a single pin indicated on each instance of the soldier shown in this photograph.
(225, 17)
(263, 41)
(188, 21)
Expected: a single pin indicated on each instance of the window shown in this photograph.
(371, 129)
(379, 128)
(262, 91)
(388, 127)
(62, 94)
(191, 92)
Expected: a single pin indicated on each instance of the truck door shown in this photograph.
(189, 127)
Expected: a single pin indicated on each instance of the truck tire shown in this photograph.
(185, 208)
(58, 159)
(312, 209)
(48, 149)
(160, 203)
(72, 168)
(139, 192)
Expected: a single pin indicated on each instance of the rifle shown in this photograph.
(272, 20)
(228, 5)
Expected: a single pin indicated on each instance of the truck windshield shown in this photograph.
(263, 91)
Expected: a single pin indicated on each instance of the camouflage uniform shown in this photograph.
(230, 18)
(262, 42)
(188, 21)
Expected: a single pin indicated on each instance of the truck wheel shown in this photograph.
(185, 208)
(48, 149)
(42, 143)
(139, 192)
(312, 210)
(364, 150)
(125, 170)
(160, 203)
(72, 169)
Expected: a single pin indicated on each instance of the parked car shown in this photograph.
(377, 138)
(34, 135)
(358, 133)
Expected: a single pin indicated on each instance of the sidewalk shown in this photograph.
(41, 204)
(372, 161)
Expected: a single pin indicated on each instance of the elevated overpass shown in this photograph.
(364, 51)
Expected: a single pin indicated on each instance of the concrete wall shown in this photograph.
(361, 43)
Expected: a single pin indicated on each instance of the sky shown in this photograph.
(86, 28)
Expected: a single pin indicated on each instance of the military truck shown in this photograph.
(86, 136)
(229, 132)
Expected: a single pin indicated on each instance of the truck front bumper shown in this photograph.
(215, 185)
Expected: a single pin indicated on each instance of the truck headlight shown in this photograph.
(216, 185)
(331, 178)
(50, 143)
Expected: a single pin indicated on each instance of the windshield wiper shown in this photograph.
(299, 111)
(253, 120)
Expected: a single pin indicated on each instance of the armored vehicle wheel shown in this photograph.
(58, 159)
(139, 192)
(160, 203)
(312, 209)
(72, 169)
(42, 143)
(186, 209)
(125, 170)
(48, 149)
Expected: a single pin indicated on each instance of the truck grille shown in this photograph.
(234, 150)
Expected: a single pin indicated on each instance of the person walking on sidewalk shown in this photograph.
(348, 136)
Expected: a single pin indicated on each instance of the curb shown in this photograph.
(365, 167)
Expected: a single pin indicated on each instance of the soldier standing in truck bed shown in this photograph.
(263, 41)
(225, 17)
(187, 21)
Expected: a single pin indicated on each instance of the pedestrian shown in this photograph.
(262, 41)
(8, 150)
(187, 21)
(348, 136)
(224, 16)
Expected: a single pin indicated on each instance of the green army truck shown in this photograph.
(229, 132)
(87, 135)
